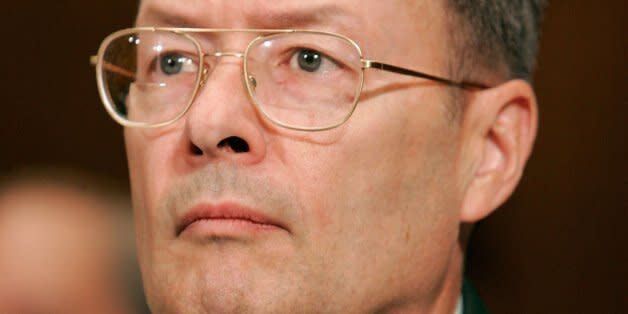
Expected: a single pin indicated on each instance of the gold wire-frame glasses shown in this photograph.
(299, 96)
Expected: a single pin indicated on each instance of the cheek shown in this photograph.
(392, 173)
(350, 184)
(150, 169)
(376, 201)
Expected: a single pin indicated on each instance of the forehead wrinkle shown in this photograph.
(327, 16)
(167, 13)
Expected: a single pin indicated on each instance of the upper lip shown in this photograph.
(226, 211)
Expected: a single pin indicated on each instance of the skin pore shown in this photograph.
(370, 211)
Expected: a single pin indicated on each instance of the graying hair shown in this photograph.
(500, 36)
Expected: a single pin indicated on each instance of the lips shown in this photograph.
(226, 218)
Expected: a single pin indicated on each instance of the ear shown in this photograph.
(499, 130)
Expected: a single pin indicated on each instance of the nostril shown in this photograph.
(234, 143)
(196, 150)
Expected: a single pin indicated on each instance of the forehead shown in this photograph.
(349, 17)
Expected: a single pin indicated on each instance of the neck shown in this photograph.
(446, 296)
(449, 295)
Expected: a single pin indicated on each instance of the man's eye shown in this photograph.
(174, 63)
(310, 60)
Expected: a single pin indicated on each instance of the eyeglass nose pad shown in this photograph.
(252, 81)
(204, 76)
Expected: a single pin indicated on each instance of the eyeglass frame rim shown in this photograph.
(98, 60)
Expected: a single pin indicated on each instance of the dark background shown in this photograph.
(557, 246)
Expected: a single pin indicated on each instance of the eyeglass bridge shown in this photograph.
(219, 54)
(226, 54)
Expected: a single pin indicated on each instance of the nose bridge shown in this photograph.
(217, 54)
(221, 112)
(224, 46)
(222, 76)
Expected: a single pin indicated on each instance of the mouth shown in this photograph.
(225, 219)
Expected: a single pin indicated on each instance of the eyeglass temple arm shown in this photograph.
(404, 71)
(112, 67)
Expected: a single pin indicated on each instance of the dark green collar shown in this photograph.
(471, 302)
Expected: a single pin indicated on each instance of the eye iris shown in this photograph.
(309, 60)
(171, 64)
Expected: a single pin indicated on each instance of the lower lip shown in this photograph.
(224, 227)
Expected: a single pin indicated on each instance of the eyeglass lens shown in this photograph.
(303, 79)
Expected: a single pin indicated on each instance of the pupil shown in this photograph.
(309, 60)
(170, 64)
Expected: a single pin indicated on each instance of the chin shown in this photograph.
(223, 299)
(217, 283)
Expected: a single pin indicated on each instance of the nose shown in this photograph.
(222, 124)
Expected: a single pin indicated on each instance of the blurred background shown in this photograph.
(558, 246)
(66, 245)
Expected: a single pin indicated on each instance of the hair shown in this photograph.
(495, 37)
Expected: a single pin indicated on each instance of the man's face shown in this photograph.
(360, 218)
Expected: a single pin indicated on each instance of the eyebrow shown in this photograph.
(329, 16)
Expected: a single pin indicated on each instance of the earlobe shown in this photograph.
(504, 127)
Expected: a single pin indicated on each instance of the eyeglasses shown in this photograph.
(298, 79)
